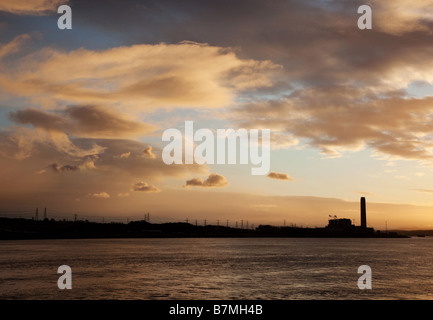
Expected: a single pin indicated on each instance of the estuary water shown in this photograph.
(208, 269)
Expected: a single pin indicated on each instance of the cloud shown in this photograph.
(39, 119)
(144, 187)
(87, 164)
(65, 177)
(122, 169)
(21, 143)
(31, 7)
(84, 121)
(186, 74)
(214, 180)
(329, 86)
(123, 194)
(424, 190)
(367, 193)
(13, 46)
(101, 195)
(62, 129)
(65, 168)
(319, 106)
(400, 16)
(280, 176)
(338, 120)
(148, 152)
(125, 155)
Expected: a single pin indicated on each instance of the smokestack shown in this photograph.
(363, 214)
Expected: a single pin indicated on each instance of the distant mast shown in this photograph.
(363, 214)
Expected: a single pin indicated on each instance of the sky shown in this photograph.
(82, 111)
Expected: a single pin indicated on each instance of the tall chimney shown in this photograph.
(363, 214)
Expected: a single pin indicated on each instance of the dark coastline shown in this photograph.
(20, 229)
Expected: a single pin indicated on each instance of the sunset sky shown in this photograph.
(82, 111)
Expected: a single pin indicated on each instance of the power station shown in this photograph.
(344, 224)
(363, 214)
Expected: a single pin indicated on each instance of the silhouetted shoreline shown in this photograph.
(19, 228)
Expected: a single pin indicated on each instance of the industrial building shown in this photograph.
(344, 224)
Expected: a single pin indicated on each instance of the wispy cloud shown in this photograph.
(367, 193)
(424, 190)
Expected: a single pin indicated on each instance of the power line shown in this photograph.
(27, 214)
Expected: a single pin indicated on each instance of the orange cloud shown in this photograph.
(280, 176)
(21, 143)
(148, 152)
(144, 187)
(214, 180)
(65, 168)
(401, 16)
(76, 167)
(125, 155)
(163, 75)
(337, 120)
(31, 7)
(101, 195)
(84, 121)
(13, 46)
